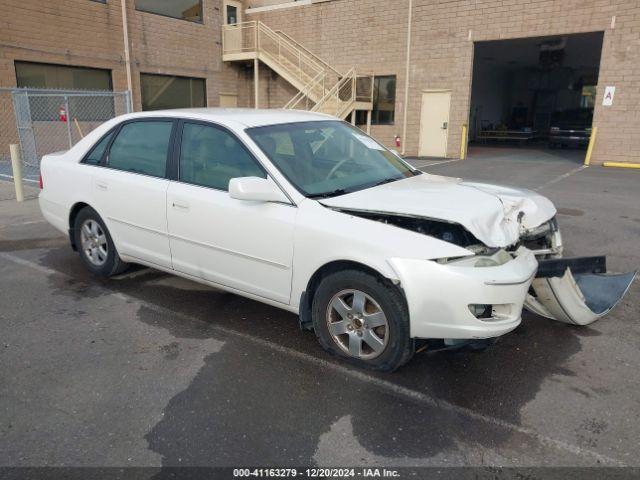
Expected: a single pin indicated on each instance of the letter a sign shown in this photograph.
(609, 92)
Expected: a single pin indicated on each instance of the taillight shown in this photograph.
(40, 182)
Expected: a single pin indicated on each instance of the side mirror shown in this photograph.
(256, 189)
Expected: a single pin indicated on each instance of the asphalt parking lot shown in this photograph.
(151, 370)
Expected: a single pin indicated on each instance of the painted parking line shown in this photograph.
(2, 175)
(398, 390)
(21, 224)
(560, 177)
(433, 163)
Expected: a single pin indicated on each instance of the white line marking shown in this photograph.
(434, 163)
(560, 177)
(23, 179)
(356, 374)
(23, 223)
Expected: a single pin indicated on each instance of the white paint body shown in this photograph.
(269, 251)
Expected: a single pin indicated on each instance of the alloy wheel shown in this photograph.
(357, 324)
(94, 242)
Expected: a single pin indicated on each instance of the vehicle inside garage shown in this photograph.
(535, 93)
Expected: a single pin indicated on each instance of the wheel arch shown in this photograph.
(73, 214)
(306, 298)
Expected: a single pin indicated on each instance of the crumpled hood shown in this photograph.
(490, 212)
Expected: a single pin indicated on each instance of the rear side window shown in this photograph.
(210, 157)
(95, 155)
(141, 147)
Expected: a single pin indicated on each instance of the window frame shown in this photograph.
(174, 174)
(201, 21)
(104, 160)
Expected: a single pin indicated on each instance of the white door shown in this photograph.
(434, 123)
(244, 245)
(130, 191)
(232, 35)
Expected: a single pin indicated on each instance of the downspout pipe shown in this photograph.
(406, 79)
(127, 55)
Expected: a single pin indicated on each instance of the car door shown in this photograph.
(244, 245)
(130, 189)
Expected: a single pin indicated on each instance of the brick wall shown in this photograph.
(88, 33)
(371, 35)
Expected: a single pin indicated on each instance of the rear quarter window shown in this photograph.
(95, 154)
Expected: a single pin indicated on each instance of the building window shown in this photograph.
(65, 77)
(43, 75)
(232, 15)
(163, 91)
(384, 100)
(190, 10)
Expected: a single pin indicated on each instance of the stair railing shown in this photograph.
(287, 53)
(323, 86)
(239, 37)
(340, 98)
(319, 60)
(305, 94)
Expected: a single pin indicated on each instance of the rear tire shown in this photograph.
(95, 245)
(363, 319)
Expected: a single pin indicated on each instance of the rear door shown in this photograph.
(130, 189)
(243, 245)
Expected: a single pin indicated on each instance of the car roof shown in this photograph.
(239, 117)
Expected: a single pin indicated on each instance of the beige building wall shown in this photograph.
(371, 35)
(89, 34)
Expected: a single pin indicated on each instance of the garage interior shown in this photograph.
(535, 94)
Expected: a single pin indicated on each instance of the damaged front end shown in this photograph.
(571, 290)
(575, 290)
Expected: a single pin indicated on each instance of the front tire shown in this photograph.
(95, 245)
(364, 319)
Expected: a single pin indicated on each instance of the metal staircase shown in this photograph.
(321, 88)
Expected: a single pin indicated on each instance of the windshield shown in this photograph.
(324, 159)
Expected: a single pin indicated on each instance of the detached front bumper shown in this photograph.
(439, 296)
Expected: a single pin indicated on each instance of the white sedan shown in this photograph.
(309, 214)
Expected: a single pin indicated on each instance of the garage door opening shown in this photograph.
(535, 94)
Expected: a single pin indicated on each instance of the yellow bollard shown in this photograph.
(621, 165)
(16, 165)
(592, 141)
(463, 143)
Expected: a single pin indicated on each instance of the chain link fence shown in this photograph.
(46, 121)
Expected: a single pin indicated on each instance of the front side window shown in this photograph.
(160, 92)
(190, 10)
(142, 147)
(328, 158)
(210, 157)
